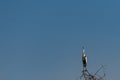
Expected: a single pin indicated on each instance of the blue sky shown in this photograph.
(42, 39)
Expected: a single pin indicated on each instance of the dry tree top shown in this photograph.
(86, 75)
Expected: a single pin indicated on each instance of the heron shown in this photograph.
(84, 58)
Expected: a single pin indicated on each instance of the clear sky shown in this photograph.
(42, 39)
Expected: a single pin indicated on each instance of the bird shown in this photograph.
(84, 58)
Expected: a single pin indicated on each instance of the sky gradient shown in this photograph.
(42, 39)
